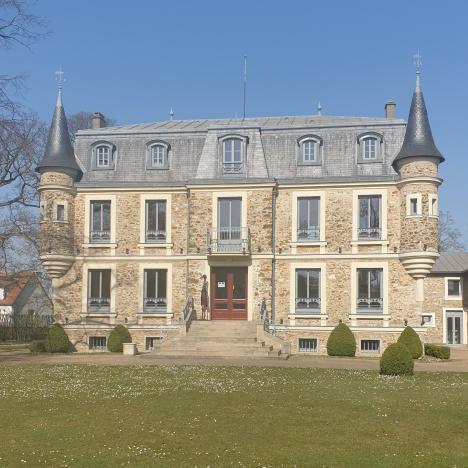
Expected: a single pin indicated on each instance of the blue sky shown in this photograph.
(134, 60)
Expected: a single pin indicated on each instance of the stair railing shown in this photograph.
(265, 319)
(187, 312)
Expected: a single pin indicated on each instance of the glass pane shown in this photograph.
(236, 213)
(375, 283)
(237, 151)
(60, 212)
(221, 285)
(106, 277)
(301, 283)
(363, 288)
(94, 280)
(150, 287)
(162, 274)
(303, 222)
(450, 330)
(238, 279)
(363, 212)
(228, 151)
(453, 287)
(313, 212)
(314, 283)
(374, 212)
(151, 216)
(161, 216)
(223, 213)
(96, 217)
(457, 331)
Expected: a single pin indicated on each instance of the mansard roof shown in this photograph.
(59, 152)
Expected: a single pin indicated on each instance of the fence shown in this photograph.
(19, 327)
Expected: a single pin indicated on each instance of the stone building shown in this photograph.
(300, 222)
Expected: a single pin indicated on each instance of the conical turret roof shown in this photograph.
(418, 142)
(59, 154)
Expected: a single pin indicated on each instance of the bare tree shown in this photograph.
(449, 235)
(83, 120)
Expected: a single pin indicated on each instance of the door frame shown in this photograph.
(213, 293)
(464, 324)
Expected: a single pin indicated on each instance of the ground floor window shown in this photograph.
(370, 346)
(98, 343)
(370, 294)
(307, 290)
(308, 345)
(99, 287)
(151, 342)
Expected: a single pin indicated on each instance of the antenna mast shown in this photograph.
(245, 82)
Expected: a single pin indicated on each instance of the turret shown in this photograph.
(59, 170)
(417, 164)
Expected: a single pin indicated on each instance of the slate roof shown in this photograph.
(451, 263)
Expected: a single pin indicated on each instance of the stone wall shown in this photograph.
(415, 168)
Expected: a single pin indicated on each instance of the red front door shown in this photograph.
(229, 297)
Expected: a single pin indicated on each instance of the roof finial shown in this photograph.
(171, 114)
(319, 108)
(60, 80)
(417, 57)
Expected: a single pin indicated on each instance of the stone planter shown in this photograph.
(129, 349)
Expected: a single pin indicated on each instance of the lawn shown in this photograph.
(109, 416)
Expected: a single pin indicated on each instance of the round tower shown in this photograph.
(417, 164)
(59, 170)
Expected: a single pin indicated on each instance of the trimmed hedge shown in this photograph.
(56, 340)
(118, 336)
(341, 341)
(396, 360)
(37, 346)
(412, 341)
(437, 351)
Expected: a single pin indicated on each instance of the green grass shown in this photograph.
(109, 416)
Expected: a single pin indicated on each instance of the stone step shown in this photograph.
(211, 346)
(217, 353)
(226, 340)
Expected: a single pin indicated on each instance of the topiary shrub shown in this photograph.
(118, 336)
(56, 340)
(341, 341)
(412, 341)
(37, 346)
(437, 351)
(396, 360)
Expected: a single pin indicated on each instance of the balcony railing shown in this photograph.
(98, 304)
(308, 305)
(370, 304)
(155, 304)
(100, 236)
(308, 234)
(155, 236)
(228, 240)
(232, 167)
(370, 233)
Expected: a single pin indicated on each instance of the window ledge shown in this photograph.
(308, 243)
(156, 244)
(376, 316)
(60, 222)
(433, 216)
(453, 298)
(99, 314)
(370, 242)
(157, 314)
(414, 216)
(108, 245)
(308, 316)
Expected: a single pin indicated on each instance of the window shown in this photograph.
(230, 235)
(99, 286)
(151, 342)
(155, 295)
(2, 294)
(369, 281)
(309, 151)
(100, 221)
(308, 224)
(369, 147)
(43, 212)
(307, 345)
(97, 343)
(103, 156)
(413, 205)
(158, 155)
(232, 155)
(155, 221)
(433, 205)
(370, 346)
(60, 212)
(427, 320)
(370, 217)
(307, 291)
(453, 288)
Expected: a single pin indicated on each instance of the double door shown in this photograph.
(229, 293)
(454, 327)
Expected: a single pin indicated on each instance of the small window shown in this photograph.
(413, 206)
(309, 150)
(453, 288)
(60, 212)
(151, 342)
(370, 346)
(103, 156)
(98, 343)
(427, 320)
(232, 155)
(433, 205)
(2, 294)
(308, 345)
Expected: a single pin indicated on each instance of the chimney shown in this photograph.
(98, 120)
(390, 110)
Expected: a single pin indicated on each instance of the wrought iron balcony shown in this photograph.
(369, 304)
(308, 234)
(308, 305)
(370, 233)
(228, 241)
(155, 304)
(98, 305)
(155, 236)
(232, 167)
(100, 236)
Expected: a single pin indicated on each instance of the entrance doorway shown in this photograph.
(229, 293)
(454, 327)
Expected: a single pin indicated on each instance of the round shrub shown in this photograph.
(396, 360)
(118, 336)
(37, 346)
(56, 340)
(412, 341)
(341, 341)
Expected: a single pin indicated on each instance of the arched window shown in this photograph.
(232, 155)
(369, 147)
(309, 151)
(103, 156)
(158, 155)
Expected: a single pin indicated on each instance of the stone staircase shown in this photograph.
(218, 338)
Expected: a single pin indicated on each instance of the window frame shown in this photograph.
(84, 297)
(56, 204)
(161, 240)
(149, 155)
(433, 205)
(449, 297)
(318, 150)
(107, 239)
(313, 349)
(362, 139)
(105, 307)
(147, 309)
(244, 141)
(95, 155)
(369, 309)
(369, 228)
(383, 241)
(321, 241)
(93, 337)
(307, 310)
(370, 351)
(156, 197)
(418, 198)
(316, 228)
(168, 313)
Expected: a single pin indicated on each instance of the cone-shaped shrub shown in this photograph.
(341, 341)
(118, 336)
(56, 340)
(396, 360)
(412, 341)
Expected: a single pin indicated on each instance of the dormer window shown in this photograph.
(310, 150)
(157, 155)
(103, 155)
(232, 155)
(369, 148)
